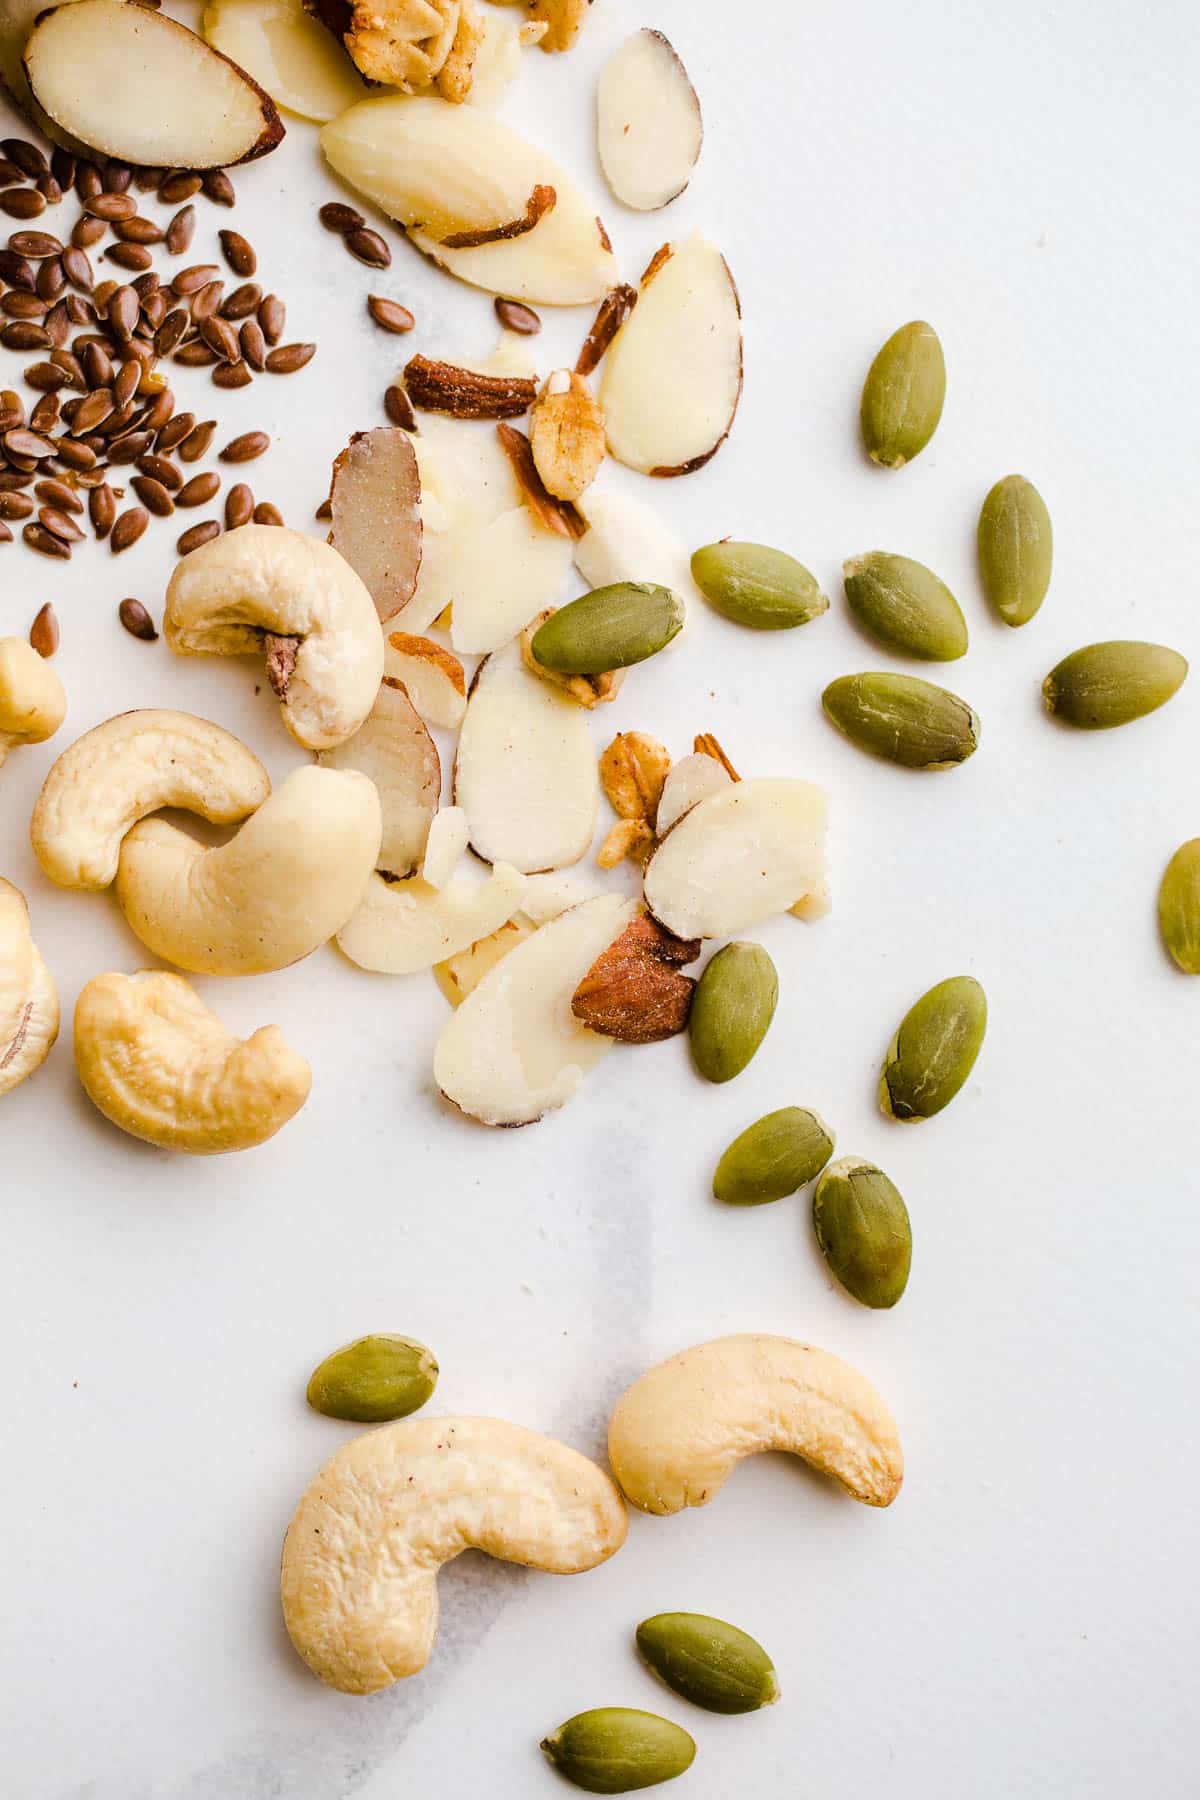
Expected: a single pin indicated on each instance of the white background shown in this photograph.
(1022, 1620)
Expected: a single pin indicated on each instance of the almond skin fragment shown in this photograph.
(560, 516)
(540, 202)
(566, 433)
(612, 313)
(465, 393)
(634, 991)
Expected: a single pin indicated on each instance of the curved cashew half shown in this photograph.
(361, 1555)
(28, 998)
(159, 1064)
(263, 587)
(677, 1433)
(32, 702)
(130, 766)
(284, 885)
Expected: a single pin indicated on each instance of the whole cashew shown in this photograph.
(32, 702)
(263, 587)
(284, 885)
(361, 1555)
(678, 1432)
(28, 998)
(130, 766)
(159, 1064)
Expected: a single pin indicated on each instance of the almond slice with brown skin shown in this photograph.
(690, 780)
(556, 515)
(673, 377)
(467, 393)
(566, 435)
(526, 770)
(740, 856)
(648, 124)
(513, 1051)
(376, 502)
(402, 927)
(432, 676)
(509, 567)
(393, 747)
(612, 313)
(634, 992)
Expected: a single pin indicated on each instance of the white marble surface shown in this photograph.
(1020, 1622)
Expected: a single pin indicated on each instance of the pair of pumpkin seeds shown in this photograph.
(618, 1749)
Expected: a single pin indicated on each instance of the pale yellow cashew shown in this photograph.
(157, 1062)
(678, 1432)
(263, 588)
(362, 1553)
(284, 885)
(32, 702)
(28, 998)
(132, 765)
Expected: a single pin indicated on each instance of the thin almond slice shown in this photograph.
(673, 377)
(460, 975)
(513, 1052)
(433, 678)
(690, 780)
(648, 124)
(400, 43)
(633, 991)
(498, 59)
(456, 77)
(401, 927)
(134, 84)
(526, 770)
(376, 502)
(546, 896)
(393, 747)
(466, 393)
(626, 540)
(611, 314)
(555, 515)
(286, 50)
(467, 482)
(629, 840)
(566, 435)
(446, 845)
(16, 22)
(739, 857)
(444, 170)
(511, 571)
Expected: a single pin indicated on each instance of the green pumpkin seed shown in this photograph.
(934, 1049)
(1179, 907)
(615, 1749)
(732, 1009)
(777, 1155)
(610, 628)
(757, 586)
(903, 395)
(863, 1229)
(904, 605)
(710, 1663)
(373, 1379)
(1111, 684)
(1016, 549)
(902, 718)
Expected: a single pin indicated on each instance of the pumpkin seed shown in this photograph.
(610, 628)
(1113, 683)
(903, 395)
(615, 1749)
(903, 719)
(732, 1009)
(373, 1379)
(756, 586)
(1179, 907)
(934, 1049)
(710, 1663)
(1016, 549)
(905, 606)
(776, 1156)
(863, 1230)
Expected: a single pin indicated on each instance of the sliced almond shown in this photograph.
(648, 124)
(566, 434)
(526, 771)
(705, 744)
(691, 779)
(16, 22)
(466, 483)
(465, 393)
(288, 52)
(513, 1052)
(393, 747)
(433, 678)
(555, 515)
(626, 540)
(400, 43)
(586, 690)
(629, 840)
(633, 771)
(376, 502)
(445, 846)
(461, 974)
(401, 927)
(611, 314)
(673, 377)
(563, 19)
(445, 170)
(633, 991)
(738, 857)
(548, 895)
(456, 77)
(509, 568)
(498, 58)
(137, 85)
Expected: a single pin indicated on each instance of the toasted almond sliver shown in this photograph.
(566, 434)
(742, 855)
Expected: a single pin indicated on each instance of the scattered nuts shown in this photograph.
(633, 771)
(742, 855)
(375, 499)
(361, 1555)
(433, 679)
(393, 747)
(566, 434)
(648, 124)
(465, 393)
(633, 991)
(400, 927)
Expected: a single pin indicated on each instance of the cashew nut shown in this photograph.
(285, 884)
(677, 1433)
(28, 998)
(263, 587)
(160, 1064)
(361, 1555)
(32, 702)
(130, 766)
